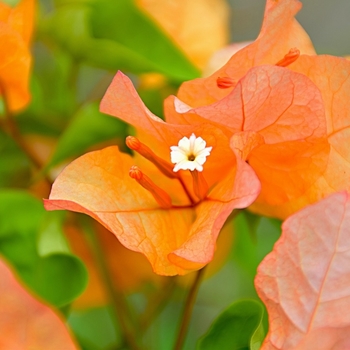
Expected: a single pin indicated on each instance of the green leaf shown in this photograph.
(116, 35)
(51, 238)
(20, 214)
(87, 128)
(25, 230)
(95, 328)
(259, 335)
(122, 22)
(239, 327)
(59, 278)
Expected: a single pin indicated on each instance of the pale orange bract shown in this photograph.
(16, 26)
(26, 323)
(327, 168)
(151, 211)
(278, 125)
(304, 281)
(279, 33)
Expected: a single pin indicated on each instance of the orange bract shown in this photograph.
(278, 125)
(331, 75)
(130, 270)
(304, 282)
(280, 32)
(16, 27)
(175, 240)
(300, 173)
(26, 323)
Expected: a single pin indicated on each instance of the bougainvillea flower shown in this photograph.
(26, 323)
(304, 281)
(199, 27)
(282, 42)
(16, 25)
(173, 218)
(278, 125)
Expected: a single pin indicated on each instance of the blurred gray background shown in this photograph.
(326, 21)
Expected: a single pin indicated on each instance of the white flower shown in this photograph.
(190, 153)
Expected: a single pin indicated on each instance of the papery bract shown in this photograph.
(175, 240)
(130, 270)
(16, 25)
(280, 42)
(279, 33)
(26, 323)
(278, 125)
(331, 75)
(304, 282)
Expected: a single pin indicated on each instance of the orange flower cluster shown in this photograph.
(16, 26)
(306, 165)
(173, 218)
(274, 115)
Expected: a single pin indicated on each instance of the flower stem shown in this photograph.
(187, 311)
(10, 127)
(117, 299)
(156, 304)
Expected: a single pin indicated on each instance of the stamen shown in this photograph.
(137, 146)
(225, 82)
(190, 154)
(162, 198)
(200, 186)
(289, 58)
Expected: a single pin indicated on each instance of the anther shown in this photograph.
(200, 186)
(162, 198)
(137, 146)
(289, 58)
(225, 82)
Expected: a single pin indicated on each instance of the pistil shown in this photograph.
(162, 198)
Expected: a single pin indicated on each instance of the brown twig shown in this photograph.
(116, 297)
(10, 127)
(187, 311)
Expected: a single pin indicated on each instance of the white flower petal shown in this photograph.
(184, 144)
(190, 153)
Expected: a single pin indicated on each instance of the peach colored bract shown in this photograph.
(328, 170)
